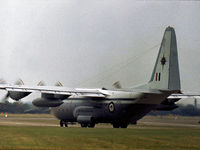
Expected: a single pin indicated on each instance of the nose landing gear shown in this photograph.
(63, 123)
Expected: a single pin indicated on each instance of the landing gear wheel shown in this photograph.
(91, 125)
(61, 123)
(66, 124)
(84, 125)
(120, 125)
(115, 125)
(125, 125)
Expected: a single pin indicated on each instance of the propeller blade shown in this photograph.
(41, 83)
(19, 82)
(58, 84)
(2, 81)
(117, 85)
(5, 98)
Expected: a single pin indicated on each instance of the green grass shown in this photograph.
(140, 137)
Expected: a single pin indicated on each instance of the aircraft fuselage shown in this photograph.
(112, 110)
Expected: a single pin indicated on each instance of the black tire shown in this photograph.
(61, 123)
(134, 122)
(125, 125)
(84, 125)
(115, 125)
(66, 124)
(91, 125)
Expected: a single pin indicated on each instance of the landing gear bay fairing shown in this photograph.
(119, 107)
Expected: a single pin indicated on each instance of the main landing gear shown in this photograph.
(89, 125)
(63, 123)
(120, 125)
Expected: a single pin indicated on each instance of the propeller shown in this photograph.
(41, 83)
(58, 84)
(19, 82)
(13, 94)
(117, 85)
(2, 81)
(4, 99)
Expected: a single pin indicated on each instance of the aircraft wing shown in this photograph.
(53, 90)
(184, 95)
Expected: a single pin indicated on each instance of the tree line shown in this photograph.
(18, 107)
(182, 110)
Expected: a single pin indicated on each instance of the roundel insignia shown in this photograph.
(111, 107)
(163, 60)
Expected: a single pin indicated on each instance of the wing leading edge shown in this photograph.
(184, 95)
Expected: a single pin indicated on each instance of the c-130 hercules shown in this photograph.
(118, 107)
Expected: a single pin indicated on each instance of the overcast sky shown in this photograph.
(93, 43)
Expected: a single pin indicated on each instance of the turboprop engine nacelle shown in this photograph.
(17, 95)
(43, 102)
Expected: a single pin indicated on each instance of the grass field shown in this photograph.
(139, 137)
(42, 132)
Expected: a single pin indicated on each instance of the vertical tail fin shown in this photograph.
(165, 75)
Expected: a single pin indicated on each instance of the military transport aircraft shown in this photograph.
(118, 107)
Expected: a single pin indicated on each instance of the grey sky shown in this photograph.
(93, 43)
